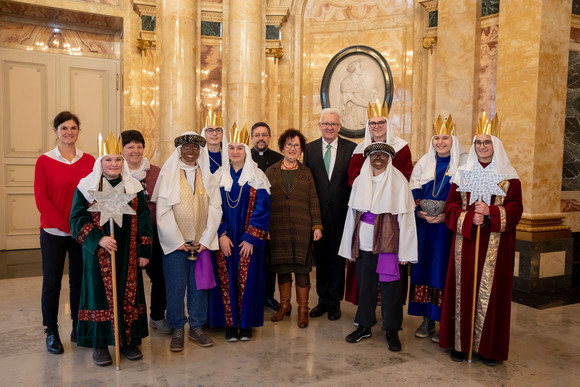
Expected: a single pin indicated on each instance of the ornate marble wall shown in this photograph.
(488, 68)
(332, 25)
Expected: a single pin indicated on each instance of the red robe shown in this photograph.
(497, 246)
(403, 163)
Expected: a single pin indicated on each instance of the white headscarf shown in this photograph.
(391, 194)
(424, 170)
(502, 162)
(93, 180)
(224, 151)
(391, 138)
(167, 185)
(251, 174)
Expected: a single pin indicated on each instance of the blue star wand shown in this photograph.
(112, 204)
(481, 183)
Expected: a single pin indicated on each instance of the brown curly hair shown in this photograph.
(290, 134)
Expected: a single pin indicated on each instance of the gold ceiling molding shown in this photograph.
(144, 7)
(430, 5)
(276, 16)
(534, 228)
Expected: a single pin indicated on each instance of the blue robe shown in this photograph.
(429, 274)
(215, 161)
(238, 298)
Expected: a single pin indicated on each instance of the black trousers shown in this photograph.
(391, 295)
(54, 249)
(269, 276)
(154, 270)
(330, 268)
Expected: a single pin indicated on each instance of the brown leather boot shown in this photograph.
(285, 305)
(302, 297)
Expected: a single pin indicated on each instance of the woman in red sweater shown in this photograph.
(56, 176)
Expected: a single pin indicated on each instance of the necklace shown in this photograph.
(212, 159)
(237, 201)
(289, 168)
(442, 180)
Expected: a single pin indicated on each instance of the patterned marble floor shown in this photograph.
(545, 350)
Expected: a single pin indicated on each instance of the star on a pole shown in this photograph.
(481, 183)
(112, 202)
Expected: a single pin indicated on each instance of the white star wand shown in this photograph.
(481, 183)
(112, 204)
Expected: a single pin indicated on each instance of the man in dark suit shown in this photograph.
(264, 157)
(328, 159)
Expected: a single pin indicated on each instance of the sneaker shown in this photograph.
(359, 334)
(393, 341)
(161, 326)
(426, 328)
(435, 337)
(198, 336)
(132, 353)
(102, 357)
(176, 344)
(245, 334)
(232, 334)
(355, 323)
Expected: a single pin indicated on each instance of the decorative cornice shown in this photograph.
(212, 12)
(429, 41)
(430, 5)
(276, 16)
(144, 7)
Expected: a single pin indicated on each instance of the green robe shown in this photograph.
(95, 328)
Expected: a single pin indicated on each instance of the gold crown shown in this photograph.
(112, 146)
(377, 110)
(489, 128)
(441, 128)
(239, 135)
(214, 118)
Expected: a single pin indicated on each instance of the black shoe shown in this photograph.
(245, 334)
(458, 356)
(359, 334)
(489, 362)
(53, 344)
(318, 310)
(74, 332)
(132, 353)
(232, 334)
(334, 312)
(271, 303)
(102, 357)
(393, 341)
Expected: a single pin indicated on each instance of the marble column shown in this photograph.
(458, 39)
(178, 57)
(531, 101)
(245, 57)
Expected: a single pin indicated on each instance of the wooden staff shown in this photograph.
(115, 304)
(475, 269)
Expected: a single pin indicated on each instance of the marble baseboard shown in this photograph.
(548, 298)
(21, 263)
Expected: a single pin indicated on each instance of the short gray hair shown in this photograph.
(330, 111)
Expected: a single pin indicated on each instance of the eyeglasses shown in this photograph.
(258, 135)
(331, 124)
(376, 124)
(479, 144)
(288, 146)
(190, 146)
(212, 130)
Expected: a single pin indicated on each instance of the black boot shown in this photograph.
(53, 344)
(73, 333)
